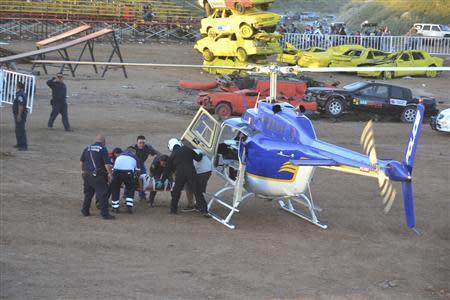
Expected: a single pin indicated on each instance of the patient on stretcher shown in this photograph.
(150, 184)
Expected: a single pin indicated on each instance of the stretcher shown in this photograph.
(150, 184)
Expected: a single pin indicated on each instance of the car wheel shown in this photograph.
(208, 55)
(241, 54)
(208, 9)
(408, 114)
(246, 31)
(239, 8)
(387, 75)
(212, 34)
(431, 73)
(223, 111)
(334, 107)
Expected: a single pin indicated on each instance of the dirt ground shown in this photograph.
(49, 251)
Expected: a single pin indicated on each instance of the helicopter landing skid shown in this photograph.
(238, 197)
(288, 205)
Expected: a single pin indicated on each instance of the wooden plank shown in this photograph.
(61, 36)
(62, 46)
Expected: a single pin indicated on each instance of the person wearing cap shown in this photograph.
(181, 163)
(143, 151)
(125, 169)
(96, 173)
(156, 171)
(20, 117)
(58, 101)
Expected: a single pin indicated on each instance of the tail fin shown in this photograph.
(408, 203)
(410, 152)
(408, 163)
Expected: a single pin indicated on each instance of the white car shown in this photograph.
(433, 30)
(441, 122)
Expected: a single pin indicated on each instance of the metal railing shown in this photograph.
(439, 46)
(8, 82)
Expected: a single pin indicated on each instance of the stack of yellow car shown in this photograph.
(238, 36)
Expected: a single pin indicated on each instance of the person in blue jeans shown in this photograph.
(143, 151)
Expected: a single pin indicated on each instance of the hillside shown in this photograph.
(321, 6)
(398, 15)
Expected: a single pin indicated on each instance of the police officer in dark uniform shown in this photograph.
(20, 117)
(143, 150)
(180, 162)
(59, 101)
(156, 171)
(96, 172)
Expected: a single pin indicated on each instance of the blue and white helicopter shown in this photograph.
(272, 151)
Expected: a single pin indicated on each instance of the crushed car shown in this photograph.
(404, 58)
(324, 58)
(291, 54)
(228, 21)
(236, 101)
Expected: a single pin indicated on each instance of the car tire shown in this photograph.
(241, 54)
(208, 8)
(387, 75)
(223, 111)
(212, 34)
(239, 8)
(208, 55)
(431, 74)
(334, 107)
(246, 31)
(408, 114)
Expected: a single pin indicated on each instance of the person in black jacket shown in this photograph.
(156, 171)
(58, 101)
(143, 150)
(181, 163)
(20, 117)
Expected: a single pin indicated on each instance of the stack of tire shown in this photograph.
(237, 33)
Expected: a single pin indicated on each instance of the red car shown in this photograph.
(224, 104)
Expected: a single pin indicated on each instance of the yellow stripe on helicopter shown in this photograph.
(286, 167)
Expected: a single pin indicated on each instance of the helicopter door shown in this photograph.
(203, 132)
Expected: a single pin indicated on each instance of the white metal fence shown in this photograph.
(8, 82)
(439, 46)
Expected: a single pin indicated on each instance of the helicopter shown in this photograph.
(272, 151)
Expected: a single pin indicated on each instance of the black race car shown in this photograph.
(369, 96)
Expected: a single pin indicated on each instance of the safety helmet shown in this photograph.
(174, 142)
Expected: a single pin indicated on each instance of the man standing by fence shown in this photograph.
(20, 117)
(58, 101)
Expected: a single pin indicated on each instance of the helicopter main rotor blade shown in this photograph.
(253, 68)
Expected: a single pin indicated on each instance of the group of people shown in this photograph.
(58, 103)
(104, 174)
